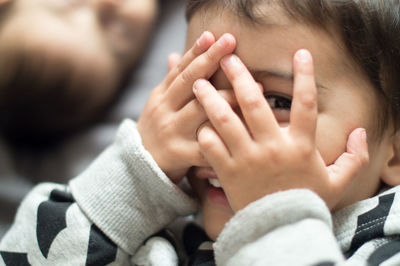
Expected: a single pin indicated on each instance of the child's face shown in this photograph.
(346, 99)
(102, 36)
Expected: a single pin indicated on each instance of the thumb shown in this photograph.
(348, 165)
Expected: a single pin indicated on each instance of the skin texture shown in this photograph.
(255, 148)
(172, 115)
(102, 37)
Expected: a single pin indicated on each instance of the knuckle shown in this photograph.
(251, 158)
(255, 157)
(308, 100)
(363, 159)
(205, 141)
(188, 76)
(222, 117)
(195, 51)
(231, 166)
(165, 125)
(353, 164)
(172, 150)
(236, 77)
(252, 102)
(305, 148)
(181, 67)
(274, 152)
(210, 56)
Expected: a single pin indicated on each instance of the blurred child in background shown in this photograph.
(63, 62)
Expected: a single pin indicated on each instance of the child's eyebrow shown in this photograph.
(279, 74)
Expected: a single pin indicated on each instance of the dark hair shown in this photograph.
(370, 30)
(39, 97)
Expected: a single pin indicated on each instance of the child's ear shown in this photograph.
(391, 172)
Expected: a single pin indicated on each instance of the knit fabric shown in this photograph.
(117, 211)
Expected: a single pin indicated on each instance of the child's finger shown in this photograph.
(348, 165)
(204, 66)
(193, 114)
(212, 146)
(304, 110)
(174, 60)
(194, 156)
(203, 43)
(256, 111)
(222, 117)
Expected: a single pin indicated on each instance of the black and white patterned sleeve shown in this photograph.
(103, 215)
(50, 229)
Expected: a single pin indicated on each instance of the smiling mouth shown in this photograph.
(210, 175)
(214, 191)
(214, 182)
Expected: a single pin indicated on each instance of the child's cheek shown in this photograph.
(331, 138)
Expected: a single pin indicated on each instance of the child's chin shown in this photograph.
(215, 218)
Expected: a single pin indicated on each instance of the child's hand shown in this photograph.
(172, 115)
(257, 157)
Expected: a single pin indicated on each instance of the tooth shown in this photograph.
(214, 182)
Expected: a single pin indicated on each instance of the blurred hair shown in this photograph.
(43, 96)
(370, 30)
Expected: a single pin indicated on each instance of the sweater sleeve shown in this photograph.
(286, 228)
(102, 216)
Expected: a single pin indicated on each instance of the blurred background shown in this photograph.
(22, 168)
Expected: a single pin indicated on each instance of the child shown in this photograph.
(301, 186)
(63, 62)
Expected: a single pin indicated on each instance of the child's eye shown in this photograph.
(280, 105)
(279, 102)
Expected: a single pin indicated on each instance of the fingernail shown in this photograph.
(364, 135)
(222, 41)
(303, 55)
(201, 40)
(198, 84)
(231, 60)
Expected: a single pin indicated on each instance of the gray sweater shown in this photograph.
(113, 212)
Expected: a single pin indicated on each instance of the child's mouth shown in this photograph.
(214, 182)
(215, 193)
